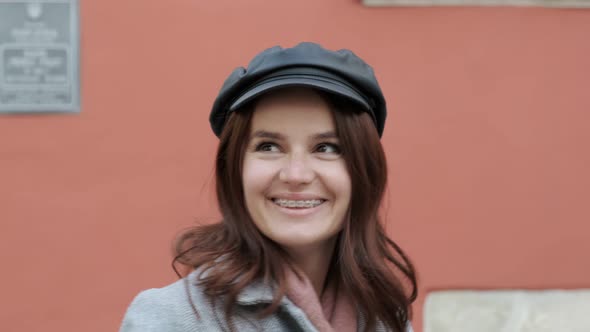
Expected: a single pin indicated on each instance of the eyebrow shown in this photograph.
(278, 136)
(267, 134)
(325, 135)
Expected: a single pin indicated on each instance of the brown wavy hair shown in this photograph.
(374, 270)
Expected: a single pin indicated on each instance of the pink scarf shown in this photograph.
(336, 311)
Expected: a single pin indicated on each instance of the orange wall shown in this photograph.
(487, 139)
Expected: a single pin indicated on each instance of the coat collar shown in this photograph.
(256, 293)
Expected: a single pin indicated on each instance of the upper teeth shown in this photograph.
(309, 203)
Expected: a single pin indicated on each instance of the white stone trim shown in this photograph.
(508, 311)
(422, 3)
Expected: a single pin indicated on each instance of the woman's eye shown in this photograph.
(267, 147)
(328, 148)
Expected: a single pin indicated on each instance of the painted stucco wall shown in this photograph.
(487, 140)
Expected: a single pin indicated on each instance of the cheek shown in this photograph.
(256, 177)
(338, 181)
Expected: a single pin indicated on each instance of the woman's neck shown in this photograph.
(315, 263)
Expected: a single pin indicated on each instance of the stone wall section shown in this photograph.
(508, 311)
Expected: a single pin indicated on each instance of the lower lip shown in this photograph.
(297, 211)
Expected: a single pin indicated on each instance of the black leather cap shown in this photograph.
(308, 64)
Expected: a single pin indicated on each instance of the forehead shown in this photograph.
(301, 109)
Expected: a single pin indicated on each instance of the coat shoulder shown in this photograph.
(171, 308)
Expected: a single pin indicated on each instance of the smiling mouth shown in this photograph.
(298, 204)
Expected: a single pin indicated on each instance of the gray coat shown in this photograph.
(168, 309)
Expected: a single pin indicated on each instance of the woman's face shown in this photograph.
(296, 185)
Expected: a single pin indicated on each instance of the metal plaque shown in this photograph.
(39, 56)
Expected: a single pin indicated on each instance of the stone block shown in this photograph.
(508, 311)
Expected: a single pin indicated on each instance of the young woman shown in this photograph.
(300, 175)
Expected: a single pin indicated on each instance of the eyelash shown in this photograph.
(262, 145)
(334, 146)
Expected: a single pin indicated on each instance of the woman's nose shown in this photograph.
(297, 170)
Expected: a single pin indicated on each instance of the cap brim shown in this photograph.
(293, 80)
